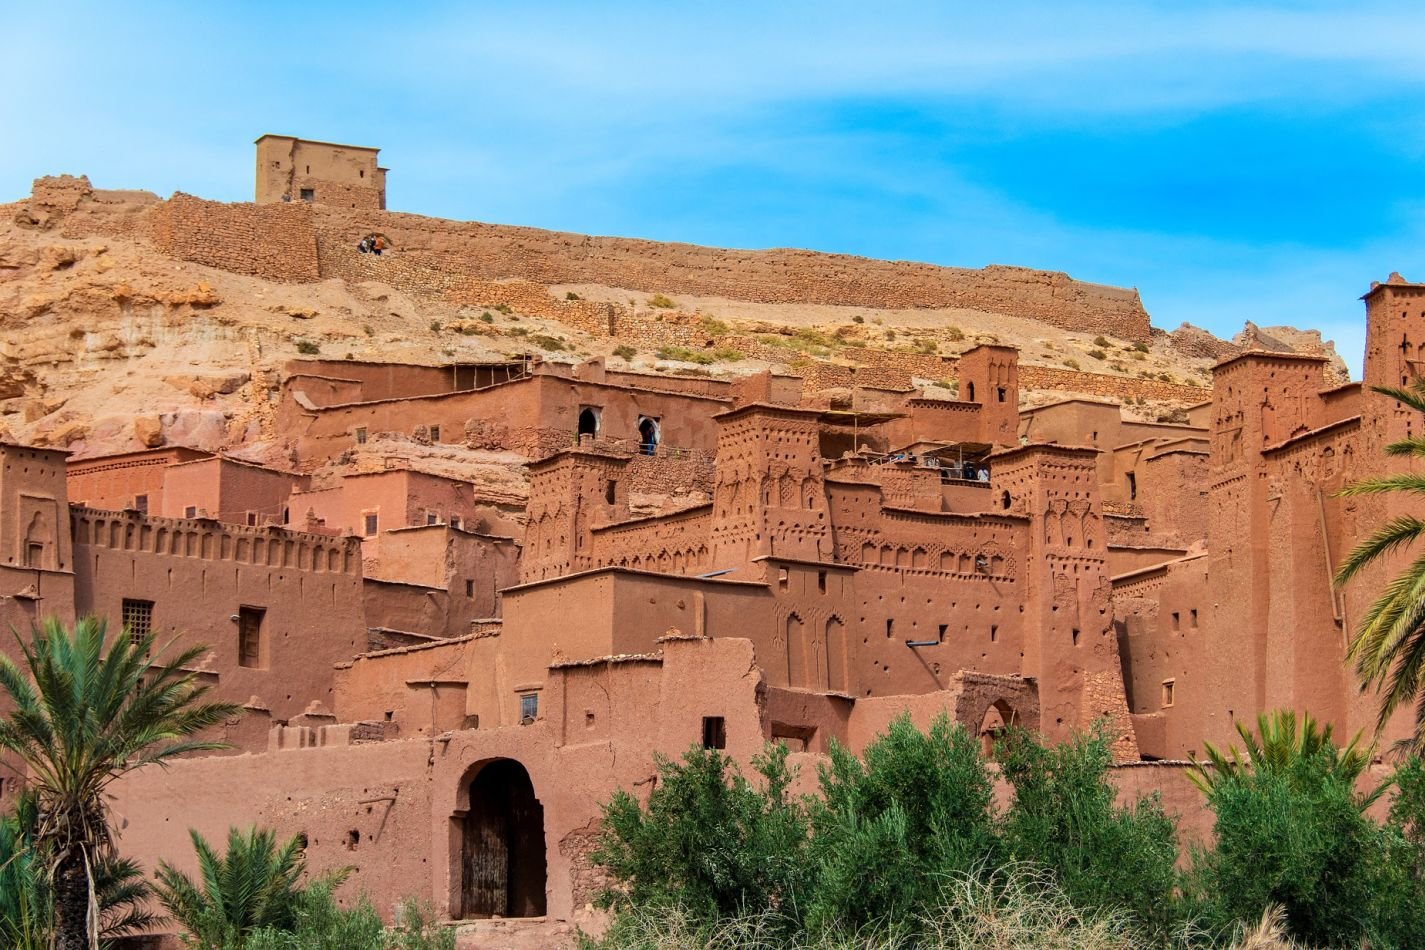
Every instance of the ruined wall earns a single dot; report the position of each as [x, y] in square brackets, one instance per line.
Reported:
[275, 241]
[490, 251]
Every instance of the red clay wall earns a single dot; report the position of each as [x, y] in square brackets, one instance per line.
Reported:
[275, 241]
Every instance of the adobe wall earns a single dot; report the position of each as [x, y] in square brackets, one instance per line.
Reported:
[113, 482]
[230, 491]
[199, 573]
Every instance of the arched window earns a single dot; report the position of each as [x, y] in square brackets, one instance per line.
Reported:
[588, 422]
[970, 391]
[1004, 500]
[648, 435]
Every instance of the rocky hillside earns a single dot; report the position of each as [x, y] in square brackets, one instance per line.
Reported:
[114, 338]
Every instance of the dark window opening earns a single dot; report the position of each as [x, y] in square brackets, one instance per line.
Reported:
[1132, 486]
[191, 511]
[1176, 620]
[361, 435]
[588, 422]
[611, 491]
[890, 628]
[529, 708]
[1004, 500]
[821, 581]
[648, 436]
[970, 391]
[469, 588]
[137, 617]
[1075, 636]
[370, 524]
[141, 504]
[252, 519]
[1168, 692]
[714, 732]
[455, 521]
[1000, 393]
[250, 636]
[307, 194]
[1192, 618]
[944, 629]
[994, 632]
[435, 433]
[34, 554]
[432, 518]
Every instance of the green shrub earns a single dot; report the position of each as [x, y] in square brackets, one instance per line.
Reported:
[625, 351]
[726, 354]
[502, 308]
[366, 328]
[714, 327]
[954, 334]
[546, 342]
[1098, 354]
[858, 319]
[1138, 355]
[1064, 818]
[890, 334]
[1101, 341]
[487, 317]
[320, 924]
[308, 347]
[435, 326]
[708, 842]
[570, 295]
[683, 354]
[926, 347]
[661, 302]
[1071, 363]
[890, 826]
[1140, 347]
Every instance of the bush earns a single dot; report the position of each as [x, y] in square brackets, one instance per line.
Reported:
[714, 327]
[1098, 354]
[366, 328]
[954, 334]
[683, 354]
[308, 347]
[1071, 363]
[1064, 818]
[1140, 347]
[570, 295]
[625, 351]
[435, 326]
[487, 317]
[1138, 355]
[726, 354]
[888, 828]
[661, 302]
[322, 925]
[858, 319]
[545, 342]
[708, 842]
[502, 308]
[1101, 341]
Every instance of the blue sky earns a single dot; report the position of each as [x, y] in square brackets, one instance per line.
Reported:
[1233, 161]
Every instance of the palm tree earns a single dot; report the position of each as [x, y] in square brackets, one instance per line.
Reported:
[1388, 648]
[88, 710]
[1280, 741]
[254, 885]
[26, 908]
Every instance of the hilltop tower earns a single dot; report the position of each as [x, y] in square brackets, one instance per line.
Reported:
[293, 169]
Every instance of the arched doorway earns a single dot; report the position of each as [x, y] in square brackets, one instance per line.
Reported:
[588, 422]
[647, 435]
[999, 717]
[502, 859]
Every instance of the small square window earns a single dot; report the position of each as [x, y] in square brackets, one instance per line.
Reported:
[1192, 618]
[1168, 693]
[369, 524]
[455, 521]
[307, 194]
[252, 519]
[432, 518]
[435, 433]
[714, 732]
[821, 581]
[141, 504]
[1177, 620]
[529, 707]
[191, 511]
[137, 616]
[361, 435]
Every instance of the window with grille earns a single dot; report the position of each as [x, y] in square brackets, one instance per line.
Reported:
[138, 618]
[529, 707]
[361, 435]
[432, 518]
[250, 636]
[252, 519]
[141, 504]
[435, 433]
[369, 526]
[191, 511]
